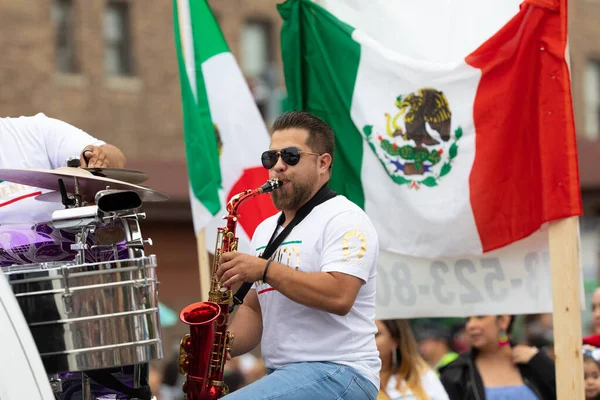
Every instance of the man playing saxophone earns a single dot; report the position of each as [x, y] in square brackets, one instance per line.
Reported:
[312, 305]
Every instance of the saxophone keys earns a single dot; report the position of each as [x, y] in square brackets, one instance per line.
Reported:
[184, 364]
[185, 345]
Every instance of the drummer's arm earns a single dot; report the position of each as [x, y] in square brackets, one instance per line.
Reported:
[103, 156]
[246, 325]
[63, 141]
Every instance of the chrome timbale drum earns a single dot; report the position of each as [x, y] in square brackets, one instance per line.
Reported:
[90, 316]
[22, 244]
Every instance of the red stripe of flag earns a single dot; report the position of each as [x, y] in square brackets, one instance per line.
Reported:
[256, 210]
[525, 169]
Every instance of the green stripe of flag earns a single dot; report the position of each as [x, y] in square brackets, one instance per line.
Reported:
[200, 138]
[320, 66]
[208, 38]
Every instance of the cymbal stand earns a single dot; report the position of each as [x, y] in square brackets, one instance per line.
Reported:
[86, 389]
[73, 201]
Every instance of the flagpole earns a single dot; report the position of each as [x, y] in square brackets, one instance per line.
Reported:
[566, 284]
[203, 264]
[566, 299]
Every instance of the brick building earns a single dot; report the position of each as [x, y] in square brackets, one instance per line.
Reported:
[109, 67]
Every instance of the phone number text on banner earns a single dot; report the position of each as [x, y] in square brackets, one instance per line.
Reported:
[512, 280]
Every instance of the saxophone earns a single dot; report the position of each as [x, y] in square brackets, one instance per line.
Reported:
[203, 352]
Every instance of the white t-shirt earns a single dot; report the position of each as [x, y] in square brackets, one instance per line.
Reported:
[431, 385]
[35, 142]
[337, 236]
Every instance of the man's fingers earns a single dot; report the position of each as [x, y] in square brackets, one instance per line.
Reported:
[100, 164]
[224, 268]
[230, 282]
[85, 159]
[97, 159]
[227, 275]
[228, 256]
[91, 158]
[87, 154]
[94, 157]
[92, 163]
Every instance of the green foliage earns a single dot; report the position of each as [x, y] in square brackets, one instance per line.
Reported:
[458, 133]
[417, 155]
[453, 150]
[445, 169]
[431, 181]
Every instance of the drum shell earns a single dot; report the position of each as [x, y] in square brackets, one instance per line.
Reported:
[90, 316]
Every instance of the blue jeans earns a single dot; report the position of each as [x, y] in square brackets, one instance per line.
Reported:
[309, 380]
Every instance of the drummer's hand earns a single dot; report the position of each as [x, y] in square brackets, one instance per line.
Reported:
[93, 157]
[239, 267]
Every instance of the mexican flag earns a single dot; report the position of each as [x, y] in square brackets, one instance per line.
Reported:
[453, 120]
[224, 131]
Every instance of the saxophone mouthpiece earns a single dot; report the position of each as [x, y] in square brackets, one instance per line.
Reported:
[270, 185]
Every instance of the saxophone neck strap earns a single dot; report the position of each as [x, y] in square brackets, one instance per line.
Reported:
[324, 194]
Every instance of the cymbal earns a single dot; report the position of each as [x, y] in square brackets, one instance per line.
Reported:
[147, 196]
[120, 174]
[89, 184]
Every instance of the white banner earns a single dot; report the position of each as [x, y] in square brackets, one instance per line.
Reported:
[513, 280]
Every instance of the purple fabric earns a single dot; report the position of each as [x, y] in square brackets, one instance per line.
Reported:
[71, 384]
[26, 244]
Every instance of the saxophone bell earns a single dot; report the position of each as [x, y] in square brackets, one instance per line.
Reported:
[197, 345]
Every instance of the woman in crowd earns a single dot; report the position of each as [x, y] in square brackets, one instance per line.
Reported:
[494, 369]
[404, 374]
[594, 338]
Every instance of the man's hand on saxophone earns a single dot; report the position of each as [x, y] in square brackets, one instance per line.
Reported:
[239, 267]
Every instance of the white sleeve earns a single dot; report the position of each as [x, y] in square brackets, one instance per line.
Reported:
[257, 253]
[62, 140]
[350, 245]
[433, 387]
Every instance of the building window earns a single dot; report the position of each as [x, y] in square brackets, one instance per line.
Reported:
[256, 61]
[63, 16]
[117, 39]
[592, 99]
[255, 46]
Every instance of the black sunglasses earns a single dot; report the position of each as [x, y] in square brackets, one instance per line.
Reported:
[289, 155]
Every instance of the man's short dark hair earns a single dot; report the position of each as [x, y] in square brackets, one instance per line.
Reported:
[320, 135]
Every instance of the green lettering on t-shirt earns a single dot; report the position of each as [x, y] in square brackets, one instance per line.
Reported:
[290, 242]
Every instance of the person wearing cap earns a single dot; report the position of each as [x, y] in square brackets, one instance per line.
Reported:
[434, 346]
